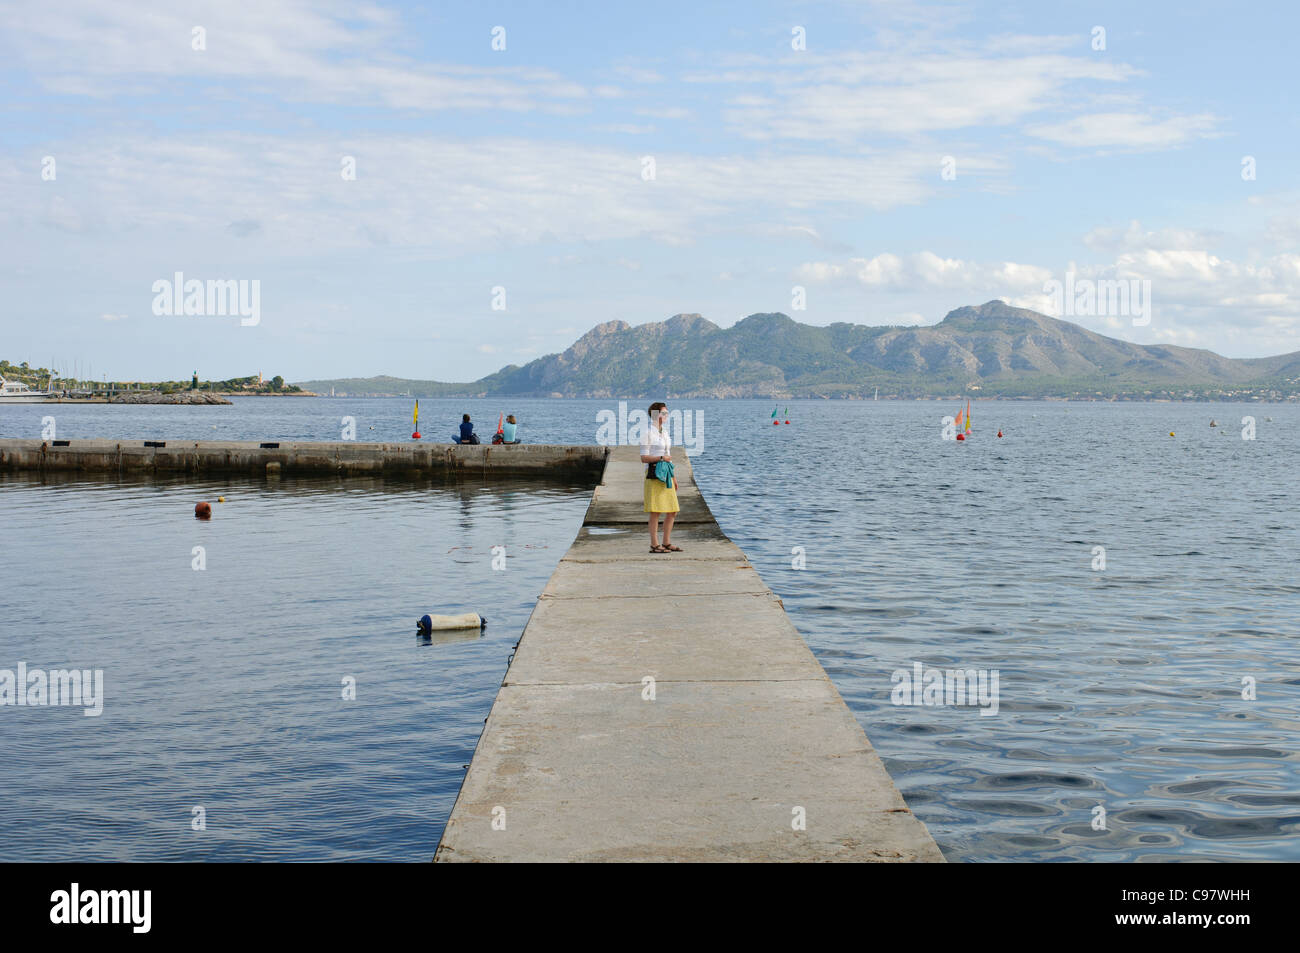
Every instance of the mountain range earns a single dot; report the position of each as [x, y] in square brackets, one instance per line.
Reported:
[993, 349]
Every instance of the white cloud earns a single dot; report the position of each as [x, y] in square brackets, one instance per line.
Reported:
[666, 112]
[890, 272]
[435, 194]
[628, 129]
[847, 96]
[638, 74]
[1126, 130]
[1007, 82]
[1109, 238]
[1198, 299]
[805, 232]
[330, 52]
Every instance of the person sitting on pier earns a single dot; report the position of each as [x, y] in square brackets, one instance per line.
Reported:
[505, 432]
[467, 434]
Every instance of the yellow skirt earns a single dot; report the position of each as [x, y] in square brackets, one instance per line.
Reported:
[660, 499]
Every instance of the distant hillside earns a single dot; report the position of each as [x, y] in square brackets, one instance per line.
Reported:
[385, 386]
[993, 349]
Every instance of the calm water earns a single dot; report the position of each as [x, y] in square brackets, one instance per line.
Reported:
[1119, 688]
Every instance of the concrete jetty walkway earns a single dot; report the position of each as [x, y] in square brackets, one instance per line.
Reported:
[301, 458]
[745, 734]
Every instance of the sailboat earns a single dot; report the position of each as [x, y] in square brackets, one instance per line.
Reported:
[415, 421]
[877, 397]
[962, 422]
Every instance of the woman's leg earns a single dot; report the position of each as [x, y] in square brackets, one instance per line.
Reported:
[668, 527]
[654, 529]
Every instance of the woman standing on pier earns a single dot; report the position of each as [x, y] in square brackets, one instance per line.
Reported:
[659, 497]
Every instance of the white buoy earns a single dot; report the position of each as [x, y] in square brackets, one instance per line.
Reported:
[443, 623]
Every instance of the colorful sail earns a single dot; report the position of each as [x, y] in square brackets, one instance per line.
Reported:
[968, 416]
[500, 420]
[956, 421]
[774, 410]
[415, 418]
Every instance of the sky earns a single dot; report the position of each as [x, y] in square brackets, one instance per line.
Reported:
[437, 190]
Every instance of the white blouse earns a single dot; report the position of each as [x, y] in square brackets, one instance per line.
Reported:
[655, 443]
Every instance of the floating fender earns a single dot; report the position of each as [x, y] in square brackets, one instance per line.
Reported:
[203, 511]
[443, 623]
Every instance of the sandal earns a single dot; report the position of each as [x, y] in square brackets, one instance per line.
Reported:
[673, 549]
[658, 549]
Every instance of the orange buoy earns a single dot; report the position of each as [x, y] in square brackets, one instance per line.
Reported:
[202, 511]
[787, 421]
[961, 436]
[776, 423]
[416, 435]
[999, 433]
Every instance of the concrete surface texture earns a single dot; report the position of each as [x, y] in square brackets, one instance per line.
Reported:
[743, 751]
[300, 457]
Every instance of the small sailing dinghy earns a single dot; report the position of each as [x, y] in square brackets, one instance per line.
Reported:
[962, 422]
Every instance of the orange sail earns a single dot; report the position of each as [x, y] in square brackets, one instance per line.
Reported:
[956, 421]
[500, 429]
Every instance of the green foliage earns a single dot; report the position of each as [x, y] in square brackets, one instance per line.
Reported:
[40, 375]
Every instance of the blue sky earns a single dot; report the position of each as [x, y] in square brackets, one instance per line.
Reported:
[522, 169]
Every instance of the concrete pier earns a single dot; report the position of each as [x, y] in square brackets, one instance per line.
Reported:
[745, 735]
[288, 458]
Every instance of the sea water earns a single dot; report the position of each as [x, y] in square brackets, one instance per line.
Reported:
[1134, 593]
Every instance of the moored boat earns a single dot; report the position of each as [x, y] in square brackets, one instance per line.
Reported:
[16, 392]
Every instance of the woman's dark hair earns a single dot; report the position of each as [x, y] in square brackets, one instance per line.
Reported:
[655, 406]
[510, 418]
[465, 418]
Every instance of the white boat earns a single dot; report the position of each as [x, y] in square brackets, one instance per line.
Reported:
[16, 392]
